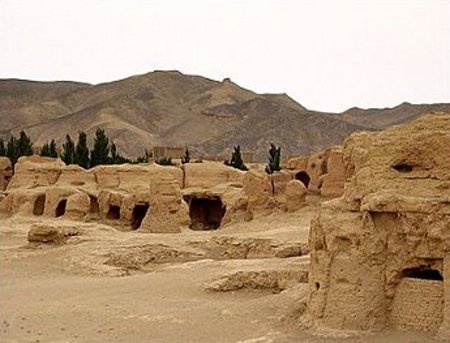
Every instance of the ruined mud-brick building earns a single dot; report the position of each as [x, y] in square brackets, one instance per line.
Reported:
[380, 254]
[154, 198]
[166, 151]
[322, 173]
[146, 197]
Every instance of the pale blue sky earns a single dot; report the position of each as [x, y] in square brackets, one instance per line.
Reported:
[328, 55]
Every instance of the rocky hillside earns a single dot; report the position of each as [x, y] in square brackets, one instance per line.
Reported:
[377, 118]
[170, 108]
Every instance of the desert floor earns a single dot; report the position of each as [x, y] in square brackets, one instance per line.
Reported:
[237, 284]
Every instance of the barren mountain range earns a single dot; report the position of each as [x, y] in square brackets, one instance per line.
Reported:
[174, 109]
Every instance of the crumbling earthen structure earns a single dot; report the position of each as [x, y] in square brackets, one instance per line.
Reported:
[380, 255]
[6, 172]
[322, 173]
[211, 208]
[148, 197]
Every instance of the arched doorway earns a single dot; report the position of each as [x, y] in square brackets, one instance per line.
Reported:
[139, 213]
[303, 177]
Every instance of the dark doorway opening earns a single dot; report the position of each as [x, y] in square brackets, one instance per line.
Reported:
[424, 273]
[39, 205]
[113, 212]
[206, 213]
[139, 212]
[303, 177]
[94, 207]
[61, 208]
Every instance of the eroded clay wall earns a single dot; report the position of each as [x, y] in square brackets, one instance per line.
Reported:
[444, 331]
[6, 172]
[417, 305]
[393, 218]
[209, 175]
[332, 184]
[325, 171]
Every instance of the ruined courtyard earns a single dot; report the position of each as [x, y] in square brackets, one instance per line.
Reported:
[349, 244]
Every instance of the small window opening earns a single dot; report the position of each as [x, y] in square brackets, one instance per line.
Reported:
[424, 273]
[403, 167]
[61, 208]
[39, 205]
[113, 212]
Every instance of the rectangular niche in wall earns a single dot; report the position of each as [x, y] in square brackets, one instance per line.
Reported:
[113, 212]
[39, 205]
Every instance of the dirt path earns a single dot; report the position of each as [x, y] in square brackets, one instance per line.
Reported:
[49, 295]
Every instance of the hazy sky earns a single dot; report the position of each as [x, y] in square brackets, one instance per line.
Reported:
[328, 55]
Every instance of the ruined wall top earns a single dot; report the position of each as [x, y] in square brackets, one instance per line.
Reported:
[400, 166]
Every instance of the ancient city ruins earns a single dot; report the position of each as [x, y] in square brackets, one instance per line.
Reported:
[155, 198]
[379, 240]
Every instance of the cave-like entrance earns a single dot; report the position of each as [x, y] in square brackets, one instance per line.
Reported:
[139, 212]
[61, 208]
[113, 212]
[94, 206]
[39, 205]
[205, 213]
[303, 177]
[418, 302]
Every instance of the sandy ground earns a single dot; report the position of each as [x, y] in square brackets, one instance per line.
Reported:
[88, 290]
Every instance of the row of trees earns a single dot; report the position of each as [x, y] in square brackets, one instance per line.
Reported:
[273, 164]
[72, 152]
[16, 147]
[78, 153]
[104, 152]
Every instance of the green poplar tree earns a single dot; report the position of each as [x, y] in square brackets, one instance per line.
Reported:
[2, 147]
[49, 149]
[100, 153]
[114, 155]
[52, 149]
[116, 158]
[274, 159]
[24, 145]
[236, 159]
[45, 150]
[11, 150]
[68, 152]
[82, 151]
